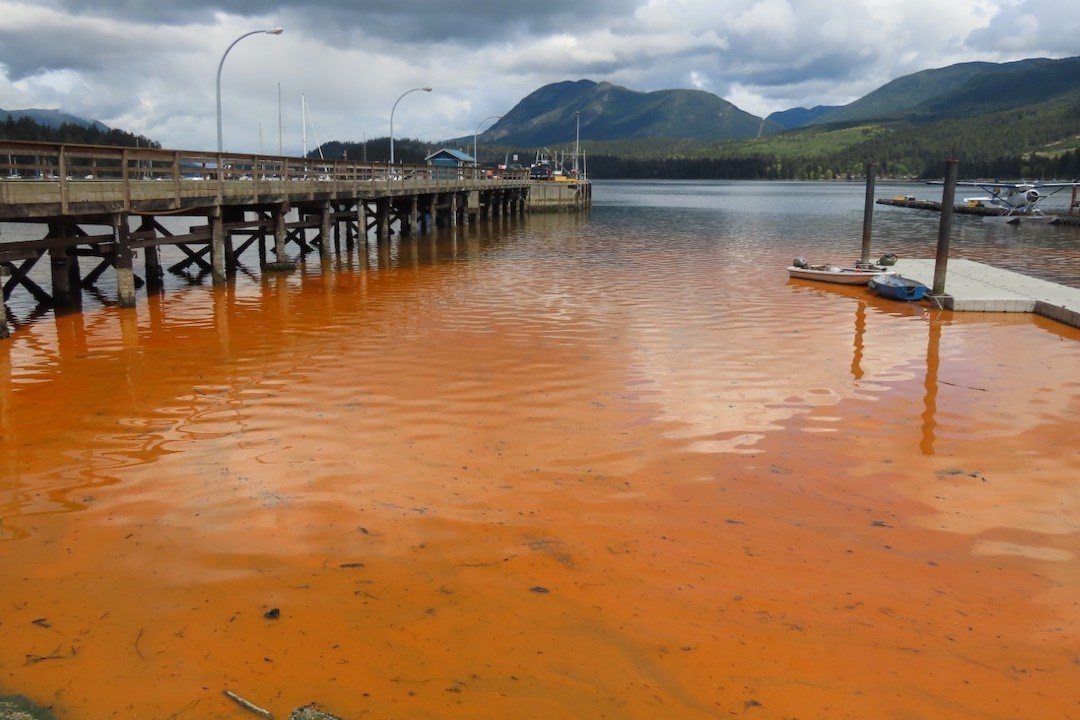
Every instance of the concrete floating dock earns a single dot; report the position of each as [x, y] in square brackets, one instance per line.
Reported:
[976, 287]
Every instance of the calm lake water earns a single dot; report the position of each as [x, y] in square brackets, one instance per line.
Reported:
[613, 464]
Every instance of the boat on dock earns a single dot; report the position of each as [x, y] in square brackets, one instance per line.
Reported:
[898, 287]
[856, 274]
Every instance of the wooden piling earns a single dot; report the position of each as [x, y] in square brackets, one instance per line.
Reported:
[325, 231]
[382, 220]
[361, 223]
[217, 246]
[868, 214]
[5, 332]
[278, 215]
[152, 258]
[948, 195]
[125, 262]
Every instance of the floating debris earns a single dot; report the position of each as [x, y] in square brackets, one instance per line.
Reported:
[247, 704]
[311, 711]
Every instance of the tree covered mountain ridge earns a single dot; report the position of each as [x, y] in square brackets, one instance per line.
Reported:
[565, 111]
[1016, 119]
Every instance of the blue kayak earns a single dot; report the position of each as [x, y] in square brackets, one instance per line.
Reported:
[898, 287]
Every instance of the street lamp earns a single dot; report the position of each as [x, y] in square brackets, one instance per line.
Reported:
[421, 89]
[271, 31]
[476, 157]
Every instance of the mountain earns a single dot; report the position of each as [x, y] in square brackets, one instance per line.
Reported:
[611, 112]
[52, 118]
[963, 91]
[799, 117]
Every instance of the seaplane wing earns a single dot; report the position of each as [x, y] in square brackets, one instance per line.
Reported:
[1016, 198]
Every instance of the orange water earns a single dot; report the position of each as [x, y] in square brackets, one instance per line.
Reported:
[540, 473]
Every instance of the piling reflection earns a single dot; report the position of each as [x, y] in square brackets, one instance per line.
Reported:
[929, 422]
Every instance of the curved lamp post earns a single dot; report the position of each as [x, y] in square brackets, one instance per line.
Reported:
[476, 158]
[271, 31]
[420, 89]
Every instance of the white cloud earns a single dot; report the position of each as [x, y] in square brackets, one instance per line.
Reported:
[150, 67]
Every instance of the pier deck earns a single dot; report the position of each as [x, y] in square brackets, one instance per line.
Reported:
[104, 203]
[976, 287]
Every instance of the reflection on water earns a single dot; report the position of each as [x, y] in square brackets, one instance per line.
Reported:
[678, 483]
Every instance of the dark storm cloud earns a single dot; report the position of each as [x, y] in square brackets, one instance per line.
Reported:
[474, 21]
[89, 49]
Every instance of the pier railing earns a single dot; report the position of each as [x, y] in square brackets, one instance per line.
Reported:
[47, 179]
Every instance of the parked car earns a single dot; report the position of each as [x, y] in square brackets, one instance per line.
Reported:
[540, 171]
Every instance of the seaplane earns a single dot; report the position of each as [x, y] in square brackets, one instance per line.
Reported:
[1015, 201]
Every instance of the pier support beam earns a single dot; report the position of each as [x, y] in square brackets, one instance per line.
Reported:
[125, 262]
[66, 287]
[411, 218]
[361, 224]
[5, 332]
[280, 234]
[64, 266]
[154, 274]
[325, 230]
[217, 246]
[382, 220]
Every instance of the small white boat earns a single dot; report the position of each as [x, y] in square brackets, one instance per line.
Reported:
[858, 275]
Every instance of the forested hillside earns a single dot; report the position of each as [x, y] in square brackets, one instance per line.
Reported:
[25, 128]
[1037, 142]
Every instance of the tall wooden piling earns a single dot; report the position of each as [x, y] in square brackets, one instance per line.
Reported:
[948, 196]
[868, 214]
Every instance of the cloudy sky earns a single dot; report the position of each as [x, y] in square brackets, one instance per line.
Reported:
[150, 66]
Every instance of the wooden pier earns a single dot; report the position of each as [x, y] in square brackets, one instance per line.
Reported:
[106, 203]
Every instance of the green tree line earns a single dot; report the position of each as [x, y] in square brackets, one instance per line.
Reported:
[1036, 142]
[27, 129]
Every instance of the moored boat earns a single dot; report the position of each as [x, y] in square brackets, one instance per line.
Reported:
[857, 275]
[898, 287]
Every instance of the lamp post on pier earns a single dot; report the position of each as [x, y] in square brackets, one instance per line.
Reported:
[271, 31]
[476, 157]
[419, 89]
